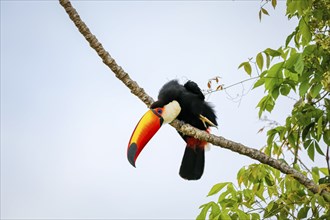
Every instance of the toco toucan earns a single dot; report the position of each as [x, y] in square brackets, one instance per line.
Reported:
[176, 101]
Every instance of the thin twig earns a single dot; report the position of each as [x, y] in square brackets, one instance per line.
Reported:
[327, 93]
[243, 81]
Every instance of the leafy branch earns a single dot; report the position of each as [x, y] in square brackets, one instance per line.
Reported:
[180, 126]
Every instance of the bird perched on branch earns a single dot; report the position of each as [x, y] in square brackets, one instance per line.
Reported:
[183, 102]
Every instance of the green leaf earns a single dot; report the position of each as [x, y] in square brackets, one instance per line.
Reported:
[270, 83]
[267, 60]
[224, 215]
[275, 70]
[292, 140]
[241, 214]
[325, 180]
[273, 76]
[324, 170]
[215, 211]
[266, 103]
[255, 216]
[297, 39]
[311, 151]
[260, 61]
[232, 191]
[307, 143]
[319, 127]
[222, 197]
[292, 83]
[291, 7]
[303, 212]
[320, 199]
[289, 38]
[269, 180]
[268, 150]
[269, 206]
[204, 211]
[270, 105]
[285, 52]
[318, 149]
[264, 11]
[260, 82]
[290, 63]
[309, 50]
[270, 140]
[261, 105]
[275, 93]
[326, 137]
[241, 176]
[274, 3]
[305, 31]
[299, 64]
[305, 131]
[247, 67]
[242, 64]
[281, 131]
[327, 103]
[217, 187]
[285, 89]
[271, 209]
[315, 174]
[271, 52]
[300, 6]
[304, 86]
[315, 90]
[260, 192]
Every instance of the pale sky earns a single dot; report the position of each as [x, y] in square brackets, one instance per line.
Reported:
[66, 120]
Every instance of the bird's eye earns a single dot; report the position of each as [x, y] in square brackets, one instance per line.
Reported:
[159, 111]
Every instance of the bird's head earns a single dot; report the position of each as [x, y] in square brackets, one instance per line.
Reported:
[149, 124]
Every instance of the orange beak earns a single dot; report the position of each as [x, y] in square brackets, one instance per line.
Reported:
[147, 127]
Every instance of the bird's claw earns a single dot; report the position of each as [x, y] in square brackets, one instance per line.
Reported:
[206, 120]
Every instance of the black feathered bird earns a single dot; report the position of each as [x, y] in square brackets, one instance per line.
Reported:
[186, 103]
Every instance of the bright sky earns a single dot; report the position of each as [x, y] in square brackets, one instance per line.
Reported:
[66, 120]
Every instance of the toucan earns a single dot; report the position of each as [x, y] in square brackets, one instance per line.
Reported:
[183, 102]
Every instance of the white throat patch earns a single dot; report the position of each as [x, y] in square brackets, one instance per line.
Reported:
[171, 111]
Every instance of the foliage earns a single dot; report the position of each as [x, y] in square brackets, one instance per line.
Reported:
[263, 192]
[300, 68]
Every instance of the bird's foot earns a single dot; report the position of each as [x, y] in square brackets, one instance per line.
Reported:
[206, 120]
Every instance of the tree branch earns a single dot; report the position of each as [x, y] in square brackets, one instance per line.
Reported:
[105, 56]
[180, 126]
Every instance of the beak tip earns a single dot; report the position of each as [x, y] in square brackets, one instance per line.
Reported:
[131, 154]
[132, 163]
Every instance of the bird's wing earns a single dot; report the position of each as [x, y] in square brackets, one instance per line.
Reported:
[193, 88]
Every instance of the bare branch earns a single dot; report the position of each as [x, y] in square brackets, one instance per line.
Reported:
[105, 56]
[180, 126]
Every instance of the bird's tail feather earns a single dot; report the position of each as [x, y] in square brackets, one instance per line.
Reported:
[192, 165]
